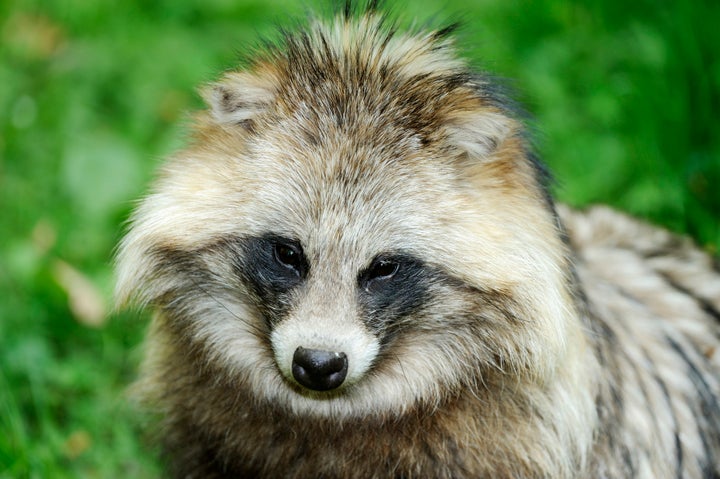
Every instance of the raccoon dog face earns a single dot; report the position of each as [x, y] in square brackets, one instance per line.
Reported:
[356, 230]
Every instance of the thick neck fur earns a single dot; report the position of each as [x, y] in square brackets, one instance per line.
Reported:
[502, 428]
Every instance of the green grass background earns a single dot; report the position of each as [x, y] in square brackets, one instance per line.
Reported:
[93, 94]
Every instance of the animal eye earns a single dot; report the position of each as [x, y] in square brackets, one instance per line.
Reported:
[382, 269]
[290, 256]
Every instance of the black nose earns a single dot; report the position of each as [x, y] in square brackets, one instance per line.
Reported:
[319, 370]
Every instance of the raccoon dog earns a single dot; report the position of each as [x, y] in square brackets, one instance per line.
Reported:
[357, 272]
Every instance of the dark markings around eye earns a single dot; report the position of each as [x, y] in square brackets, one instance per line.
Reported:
[392, 287]
[273, 266]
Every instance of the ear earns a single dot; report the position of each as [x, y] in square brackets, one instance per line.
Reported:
[480, 133]
[238, 98]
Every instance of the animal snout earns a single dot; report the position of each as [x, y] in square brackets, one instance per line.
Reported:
[319, 370]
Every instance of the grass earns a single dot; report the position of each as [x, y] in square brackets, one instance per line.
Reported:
[93, 95]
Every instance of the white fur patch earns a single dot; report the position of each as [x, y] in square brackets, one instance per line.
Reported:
[356, 342]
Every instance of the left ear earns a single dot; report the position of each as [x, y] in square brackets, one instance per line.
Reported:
[238, 98]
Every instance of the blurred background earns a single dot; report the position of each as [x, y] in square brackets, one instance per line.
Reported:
[93, 94]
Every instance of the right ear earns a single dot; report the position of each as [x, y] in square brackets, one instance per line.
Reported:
[237, 99]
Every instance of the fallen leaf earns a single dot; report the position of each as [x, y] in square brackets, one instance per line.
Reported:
[44, 236]
[84, 298]
[77, 443]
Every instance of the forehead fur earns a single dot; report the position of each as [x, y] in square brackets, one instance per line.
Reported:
[359, 74]
[356, 70]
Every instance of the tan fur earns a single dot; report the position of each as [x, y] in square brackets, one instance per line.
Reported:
[519, 354]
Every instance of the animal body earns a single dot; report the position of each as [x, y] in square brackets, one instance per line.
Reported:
[357, 272]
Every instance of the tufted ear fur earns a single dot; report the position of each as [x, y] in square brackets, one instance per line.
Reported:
[480, 133]
[238, 98]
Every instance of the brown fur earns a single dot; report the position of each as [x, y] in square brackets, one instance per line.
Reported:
[523, 342]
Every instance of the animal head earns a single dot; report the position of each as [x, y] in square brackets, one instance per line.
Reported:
[357, 228]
